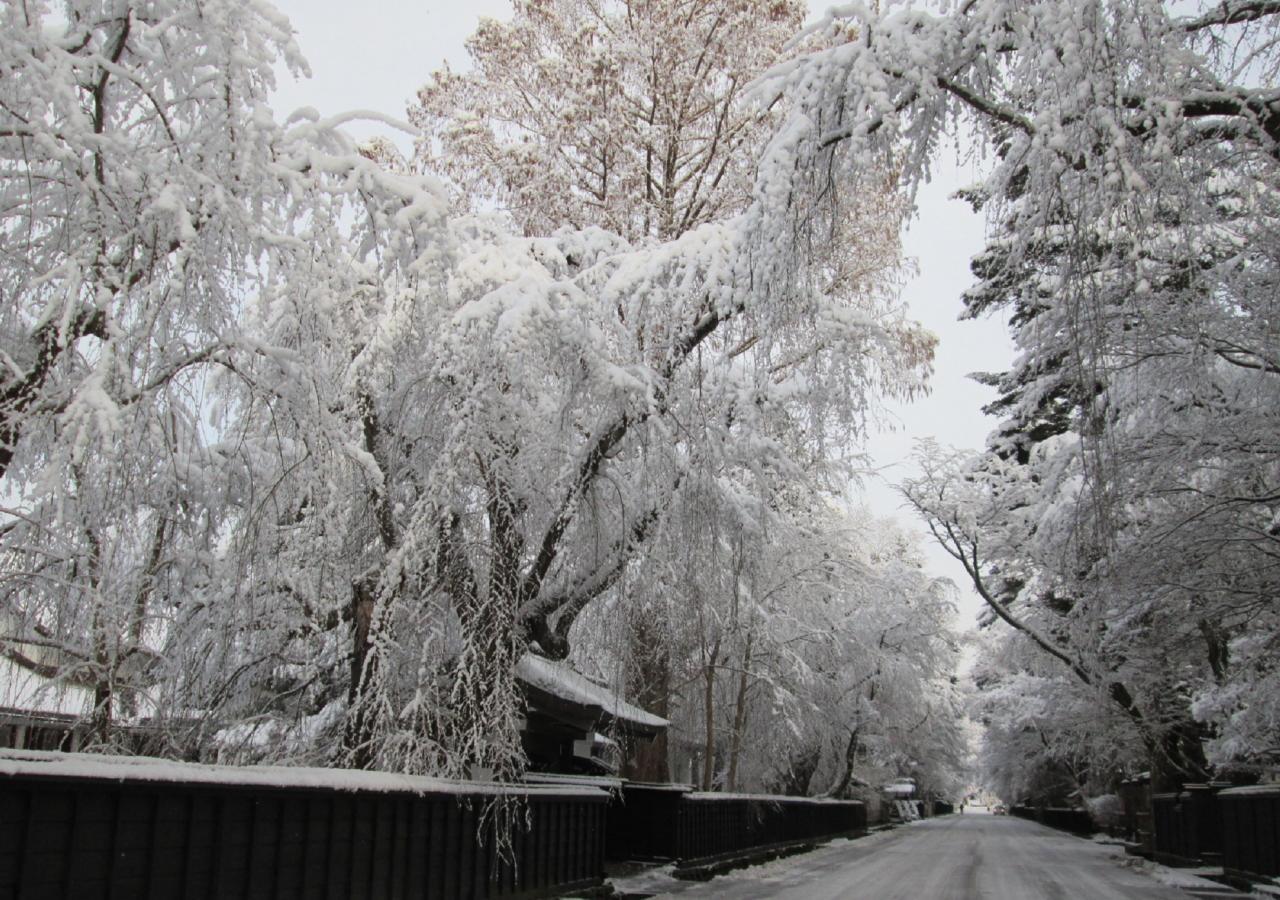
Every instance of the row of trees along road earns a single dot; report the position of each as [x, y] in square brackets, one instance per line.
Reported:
[1122, 524]
[299, 452]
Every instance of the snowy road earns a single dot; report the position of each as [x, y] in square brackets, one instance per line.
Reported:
[950, 858]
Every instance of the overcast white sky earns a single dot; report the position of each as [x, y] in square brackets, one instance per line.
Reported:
[373, 56]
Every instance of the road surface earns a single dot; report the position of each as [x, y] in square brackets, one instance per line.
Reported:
[958, 857]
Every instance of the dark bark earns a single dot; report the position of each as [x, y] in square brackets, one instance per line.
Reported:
[1217, 648]
[650, 688]
[800, 770]
[1232, 12]
[357, 738]
[1179, 758]
[19, 394]
[540, 611]
[851, 747]
[739, 715]
[711, 658]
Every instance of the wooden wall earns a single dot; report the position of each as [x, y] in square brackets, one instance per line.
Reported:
[66, 837]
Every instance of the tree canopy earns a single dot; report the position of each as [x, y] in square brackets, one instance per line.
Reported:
[1122, 519]
[299, 456]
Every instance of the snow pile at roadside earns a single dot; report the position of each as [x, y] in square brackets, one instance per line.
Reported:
[1192, 880]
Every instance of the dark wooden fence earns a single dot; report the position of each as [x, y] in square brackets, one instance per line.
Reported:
[1237, 828]
[1135, 815]
[1186, 827]
[643, 822]
[662, 822]
[1250, 822]
[1076, 821]
[89, 833]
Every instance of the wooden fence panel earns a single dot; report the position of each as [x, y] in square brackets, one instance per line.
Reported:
[1077, 821]
[1250, 820]
[1186, 826]
[72, 835]
[659, 822]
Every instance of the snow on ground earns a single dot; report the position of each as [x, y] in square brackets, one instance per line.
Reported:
[660, 881]
[947, 858]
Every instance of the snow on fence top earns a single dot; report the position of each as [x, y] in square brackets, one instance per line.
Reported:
[551, 778]
[562, 681]
[1264, 789]
[678, 787]
[148, 769]
[764, 798]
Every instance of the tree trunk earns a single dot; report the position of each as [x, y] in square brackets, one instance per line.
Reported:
[358, 736]
[840, 789]
[100, 722]
[650, 688]
[357, 746]
[1180, 758]
[1218, 648]
[104, 666]
[800, 768]
[739, 717]
[709, 718]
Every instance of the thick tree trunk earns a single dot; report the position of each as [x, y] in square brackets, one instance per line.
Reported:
[1180, 758]
[100, 723]
[841, 787]
[650, 688]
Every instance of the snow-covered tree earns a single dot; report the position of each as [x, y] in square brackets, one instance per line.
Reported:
[569, 438]
[139, 179]
[289, 452]
[1132, 195]
[164, 235]
[815, 656]
[631, 116]
[872, 678]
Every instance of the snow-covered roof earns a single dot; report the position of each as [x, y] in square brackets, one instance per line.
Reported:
[24, 690]
[561, 680]
[144, 768]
